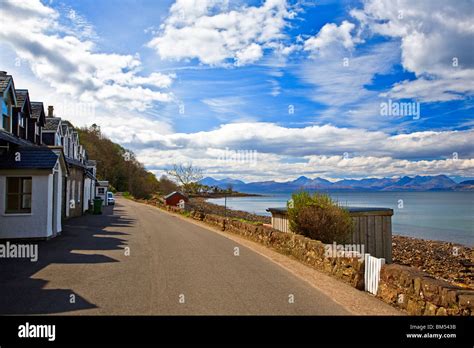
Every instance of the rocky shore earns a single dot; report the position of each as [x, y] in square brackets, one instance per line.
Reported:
[200, 204]
[443, 260]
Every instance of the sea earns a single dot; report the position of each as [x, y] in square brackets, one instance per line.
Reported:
[443, 216]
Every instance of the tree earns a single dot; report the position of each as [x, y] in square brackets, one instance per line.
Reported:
[117, 165]
[187, 176]
[166, 185]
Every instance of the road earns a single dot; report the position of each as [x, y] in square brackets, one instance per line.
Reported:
[137, 259]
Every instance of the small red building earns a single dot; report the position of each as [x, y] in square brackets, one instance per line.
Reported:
[174, 198]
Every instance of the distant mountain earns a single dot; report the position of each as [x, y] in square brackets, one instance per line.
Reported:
[406, 183]
[467, 185]
[223, 183]
[422, 183]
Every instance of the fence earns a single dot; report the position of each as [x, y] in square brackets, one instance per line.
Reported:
[373, 266]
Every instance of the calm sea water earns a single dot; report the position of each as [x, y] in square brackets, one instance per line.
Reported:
[447, 216]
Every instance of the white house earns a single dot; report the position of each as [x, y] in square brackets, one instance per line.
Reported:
[40, 172]
[30, 192]
[102, 188]
[89, 184]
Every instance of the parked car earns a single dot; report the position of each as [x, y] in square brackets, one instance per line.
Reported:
[110, 198]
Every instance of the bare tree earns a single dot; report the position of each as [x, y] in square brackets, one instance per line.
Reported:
[186, 175]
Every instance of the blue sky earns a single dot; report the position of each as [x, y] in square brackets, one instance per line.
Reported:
[302, 83]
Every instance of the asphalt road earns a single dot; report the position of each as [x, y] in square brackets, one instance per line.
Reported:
[136, 259]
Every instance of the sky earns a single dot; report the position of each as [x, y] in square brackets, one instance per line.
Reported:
[258, 90]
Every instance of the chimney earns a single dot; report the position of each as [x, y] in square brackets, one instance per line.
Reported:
[50, 111]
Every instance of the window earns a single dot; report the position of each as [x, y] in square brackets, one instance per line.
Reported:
[73, 187]
[18, 195]
[5, 116]
[101, 190]
[21, 119]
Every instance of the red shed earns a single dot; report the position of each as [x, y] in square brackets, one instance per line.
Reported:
[174, 197]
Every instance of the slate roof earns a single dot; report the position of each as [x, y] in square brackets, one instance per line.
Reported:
[74, 162]
[38, 112]
[13, 139]
[90, 174]
[36, 109]
[32, 157]
[4, 81]
[52, 123]
[21, 96]
[67, 123]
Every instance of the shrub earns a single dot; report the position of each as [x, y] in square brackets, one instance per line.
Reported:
[127, 194]
[318, 217]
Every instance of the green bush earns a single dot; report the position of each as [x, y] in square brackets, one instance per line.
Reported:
[318, 217]
[127, 194]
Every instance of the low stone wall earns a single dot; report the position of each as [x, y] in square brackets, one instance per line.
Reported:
[420, 294]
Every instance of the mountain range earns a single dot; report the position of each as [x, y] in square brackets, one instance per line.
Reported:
[406, 183]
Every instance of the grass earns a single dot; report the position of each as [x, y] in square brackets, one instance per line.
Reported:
[256, 223]
[127, 195]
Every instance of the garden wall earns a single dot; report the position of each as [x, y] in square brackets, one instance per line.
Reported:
[420, 294]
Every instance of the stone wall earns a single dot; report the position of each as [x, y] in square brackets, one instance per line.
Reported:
[420, 294]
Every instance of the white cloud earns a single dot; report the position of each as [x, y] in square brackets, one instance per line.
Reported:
[316, 150]
[433, 35]
[321, 140]
[332, 35]
[280, 168]
[452, 87]
[389, 167]
[214, 33]
[250, 54]
[224, 105]
[340, 82]
[72, 65]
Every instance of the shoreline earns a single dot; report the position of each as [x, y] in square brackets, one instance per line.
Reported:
[443, 260]
[222, 195]
[393, 234]
[201, 204]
